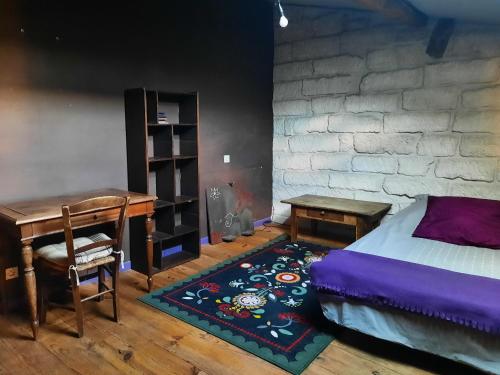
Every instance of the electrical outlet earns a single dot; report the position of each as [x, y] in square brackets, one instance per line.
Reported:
[11, 273]
[227, 159]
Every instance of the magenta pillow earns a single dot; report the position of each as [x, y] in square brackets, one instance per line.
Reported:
[461, 221]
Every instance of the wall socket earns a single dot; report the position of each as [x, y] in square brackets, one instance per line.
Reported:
[227, 159]
[11, 273]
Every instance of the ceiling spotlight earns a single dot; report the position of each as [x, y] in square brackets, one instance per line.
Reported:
[283, 19]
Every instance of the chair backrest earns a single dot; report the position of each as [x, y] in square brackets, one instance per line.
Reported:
[89, 207]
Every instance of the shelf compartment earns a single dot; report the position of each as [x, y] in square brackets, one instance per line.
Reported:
[182, 230]
[161, 180]
[187, 214]
[184, 140]
[165, 262]
[160, 125]
[159, 204]
[182, 157]
[182, 199]
[186, 177]
[174, 251]
[159, 237]
[159, 159]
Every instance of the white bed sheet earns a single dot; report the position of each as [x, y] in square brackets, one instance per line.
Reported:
[393, 240]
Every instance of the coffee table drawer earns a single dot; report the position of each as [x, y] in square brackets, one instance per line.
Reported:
[325, 215]
[321, 215]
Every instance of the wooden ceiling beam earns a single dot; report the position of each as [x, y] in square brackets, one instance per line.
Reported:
[399, 10]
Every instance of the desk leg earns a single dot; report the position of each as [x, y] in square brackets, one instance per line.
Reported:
[149, 249]
[293, 225]
[30, 284]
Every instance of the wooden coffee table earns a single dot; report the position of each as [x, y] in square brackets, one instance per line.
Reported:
[363, 215]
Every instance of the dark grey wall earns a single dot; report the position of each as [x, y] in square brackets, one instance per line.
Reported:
[64, 68]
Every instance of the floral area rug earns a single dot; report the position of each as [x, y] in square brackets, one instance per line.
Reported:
[259, 301]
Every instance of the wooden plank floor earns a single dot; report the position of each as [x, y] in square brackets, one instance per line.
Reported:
[147, 341]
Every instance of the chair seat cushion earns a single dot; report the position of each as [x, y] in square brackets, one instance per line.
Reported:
[58, 254]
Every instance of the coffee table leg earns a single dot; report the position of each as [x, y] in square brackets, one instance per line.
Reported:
[293, 225]
[361, 228]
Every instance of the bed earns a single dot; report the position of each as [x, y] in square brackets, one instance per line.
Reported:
[459, 343]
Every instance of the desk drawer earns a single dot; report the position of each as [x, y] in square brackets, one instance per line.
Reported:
[42, 228]
[56, 225]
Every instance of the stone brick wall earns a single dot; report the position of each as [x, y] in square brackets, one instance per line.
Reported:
[360, 110]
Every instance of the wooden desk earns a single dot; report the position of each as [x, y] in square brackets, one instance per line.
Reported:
[363, 215]
[24, 221]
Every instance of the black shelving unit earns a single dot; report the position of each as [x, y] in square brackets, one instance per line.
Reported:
[162, 159]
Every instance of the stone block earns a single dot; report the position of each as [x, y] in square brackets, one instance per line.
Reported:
[356, 181]
[376, 164]
[416, 122]
[471, 122]
[395, 200]
[315, 143]
[460, 72]
[360, 42]
[476, 190]
[373, 103]
[306, 178]
[403, 57]
[339, 65]
[292, 108]
[277, 177]
[331, 192]
[414, 166]
[401, 79]
[431, 99]
[279, 126]
[482, 98]
[282, 53]
[413, 186]
[346, 142]
[467, 168]
[305, 125]
[293, 71]
[334, 85]
[477, 43]
[285, 160]
[352, 123]
[329, 24]
[331, 161]
[327, 104]
[296, 30]
[438, 145]
[480, 145]
[280, 144]
[403, 144]
[314, 48]
[287, 90]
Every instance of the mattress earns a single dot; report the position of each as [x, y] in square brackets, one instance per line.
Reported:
[393, 240]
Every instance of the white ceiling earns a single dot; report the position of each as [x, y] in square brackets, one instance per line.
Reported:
[487, 11]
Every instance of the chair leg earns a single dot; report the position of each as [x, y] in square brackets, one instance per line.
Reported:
[42, 301]
[77, 301]
[100, 282]
[116, 288]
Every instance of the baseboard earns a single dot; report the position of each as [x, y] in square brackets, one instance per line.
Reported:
[127, 265]
[258, 223]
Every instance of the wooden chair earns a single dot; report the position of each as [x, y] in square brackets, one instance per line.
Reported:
[84, 253]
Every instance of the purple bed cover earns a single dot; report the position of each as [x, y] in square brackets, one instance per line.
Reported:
[469, 300]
